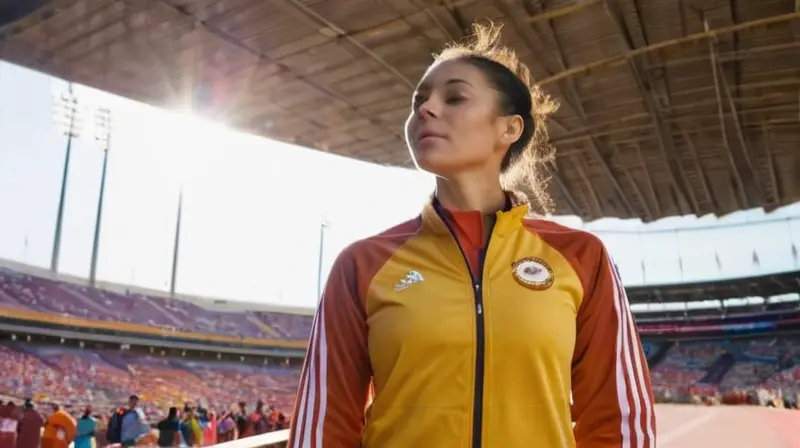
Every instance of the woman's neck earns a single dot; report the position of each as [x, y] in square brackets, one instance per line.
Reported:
[486, 197]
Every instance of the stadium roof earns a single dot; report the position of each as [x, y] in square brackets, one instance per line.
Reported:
[762, 286]
[668, 107]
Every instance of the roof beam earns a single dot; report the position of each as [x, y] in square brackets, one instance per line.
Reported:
[458, 19]
[381, 27]
[17, 13]
[524, 31]
[773, 177]
[668, 149]
[340, 33]
[650, 185]
[561, 11]
[418, 32]
[613, 60]
[639, 196]
[605, 129]
[261, 56]
[576, 6]
[740, 161]
[701, 172]
[562, 185]
[594, 198]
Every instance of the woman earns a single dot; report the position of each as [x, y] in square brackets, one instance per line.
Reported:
[86, 429]
[473, 325]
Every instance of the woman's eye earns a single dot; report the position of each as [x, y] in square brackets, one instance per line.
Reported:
[455, 99]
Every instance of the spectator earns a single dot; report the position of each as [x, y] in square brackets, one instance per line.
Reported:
[8, 426]
[258, 420]
[100, 431]
[187, 432]
[210, 429]
[242, 425]
[133, 423]
[227, 428]
[169, 429]
[59, 430]
[30, 427]
[85, 430]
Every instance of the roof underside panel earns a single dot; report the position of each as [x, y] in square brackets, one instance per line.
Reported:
[667, 106]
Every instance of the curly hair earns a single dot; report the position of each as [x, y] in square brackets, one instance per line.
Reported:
[523, 171]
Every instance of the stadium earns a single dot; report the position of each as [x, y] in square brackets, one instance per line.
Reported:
[149, 244]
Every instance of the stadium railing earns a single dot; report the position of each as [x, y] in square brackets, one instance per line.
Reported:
[270, 439]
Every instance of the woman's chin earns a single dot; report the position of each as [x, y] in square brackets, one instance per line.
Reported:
[439, 168]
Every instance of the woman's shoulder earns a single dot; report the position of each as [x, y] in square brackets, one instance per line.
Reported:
[579, 246]
[546, 227]
[382, 243]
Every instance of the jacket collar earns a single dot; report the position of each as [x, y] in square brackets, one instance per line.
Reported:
[508, 220]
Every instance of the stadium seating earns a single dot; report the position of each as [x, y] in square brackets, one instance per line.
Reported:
[19, 290]
[105, 378]
[684, 365]
[76, 377]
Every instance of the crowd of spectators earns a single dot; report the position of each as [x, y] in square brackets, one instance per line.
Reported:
[761, 371]
[56, 426]
[188, 402]
[75, 378]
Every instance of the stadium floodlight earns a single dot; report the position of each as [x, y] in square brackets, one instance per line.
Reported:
[323, 225]
[68, 114]
[68, 117]
[102, 126]
[102, 134]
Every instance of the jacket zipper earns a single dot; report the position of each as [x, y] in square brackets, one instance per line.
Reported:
[480, 332]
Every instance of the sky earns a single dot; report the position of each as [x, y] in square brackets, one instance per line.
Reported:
[253, 208]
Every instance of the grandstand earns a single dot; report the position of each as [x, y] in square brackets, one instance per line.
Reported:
[54, 347]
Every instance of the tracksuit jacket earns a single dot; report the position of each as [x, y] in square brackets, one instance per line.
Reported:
[433, 335]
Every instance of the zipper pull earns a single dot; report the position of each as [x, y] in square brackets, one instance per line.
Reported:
[480, 309]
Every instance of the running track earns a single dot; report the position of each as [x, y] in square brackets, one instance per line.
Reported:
[684, 426]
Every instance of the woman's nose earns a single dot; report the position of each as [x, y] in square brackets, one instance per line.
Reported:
[427, 110]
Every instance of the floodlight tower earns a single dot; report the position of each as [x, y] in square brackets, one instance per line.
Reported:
[176, 248]
[323, 225]
[102, 134]
[68, 119]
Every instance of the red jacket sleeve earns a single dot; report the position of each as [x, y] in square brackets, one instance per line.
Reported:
[335, 382]
[612, 396]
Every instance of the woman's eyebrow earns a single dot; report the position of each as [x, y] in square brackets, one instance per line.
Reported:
[426, 86]
[457, 81]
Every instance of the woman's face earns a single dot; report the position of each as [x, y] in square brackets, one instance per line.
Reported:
[454, 126]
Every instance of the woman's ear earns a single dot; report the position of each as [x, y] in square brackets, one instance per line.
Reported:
[512, 126]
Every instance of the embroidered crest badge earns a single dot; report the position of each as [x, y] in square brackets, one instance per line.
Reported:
[532, 273]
